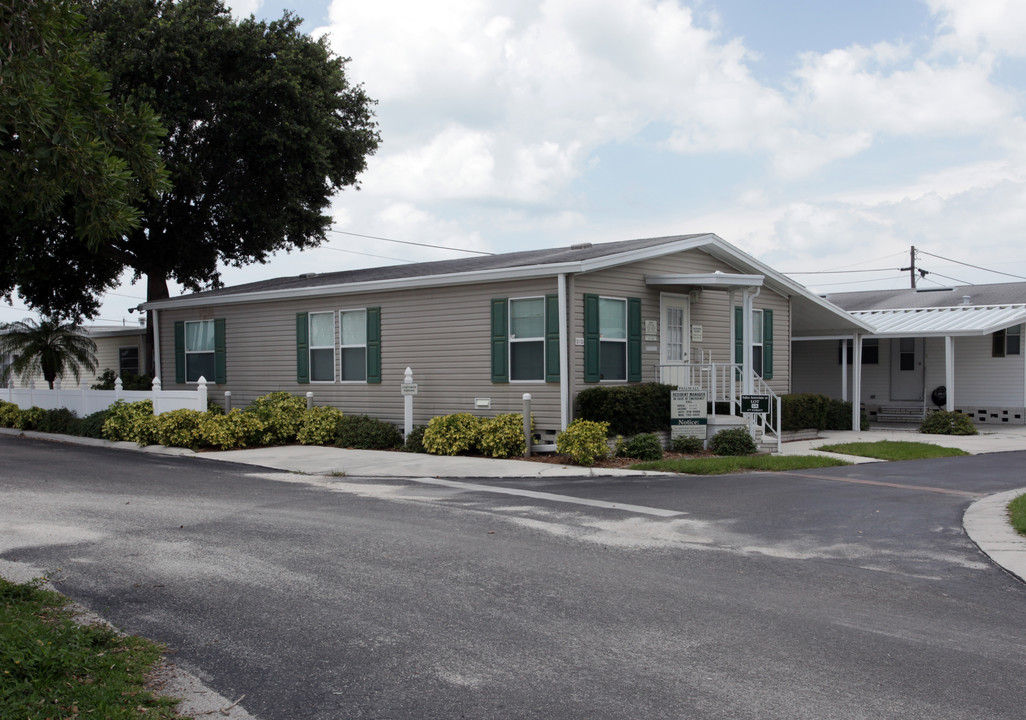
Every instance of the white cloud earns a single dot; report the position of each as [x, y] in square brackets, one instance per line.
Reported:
[972, 25]
[243, 8]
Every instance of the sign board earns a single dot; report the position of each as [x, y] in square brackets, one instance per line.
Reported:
[697, 333]
[689, 413]
[755, 403]
[408, 389]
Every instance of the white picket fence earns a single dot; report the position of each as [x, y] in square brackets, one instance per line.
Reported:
[85, 402]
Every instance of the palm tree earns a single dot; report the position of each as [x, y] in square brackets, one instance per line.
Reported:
[49, 347]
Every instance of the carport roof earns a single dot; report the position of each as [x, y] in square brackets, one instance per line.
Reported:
[960, 320]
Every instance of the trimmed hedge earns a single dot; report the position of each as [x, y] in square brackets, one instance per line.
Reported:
[629, 409]
[942, 422]
[800, 411]
[584, 441]
[645, 446]
[362, 432]
[735, 441]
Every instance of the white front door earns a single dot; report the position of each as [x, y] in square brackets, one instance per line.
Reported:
[674, 342]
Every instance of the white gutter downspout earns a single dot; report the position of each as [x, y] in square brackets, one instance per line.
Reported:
[156, 344]
[564, 355]
[949, 372]
[748, 384]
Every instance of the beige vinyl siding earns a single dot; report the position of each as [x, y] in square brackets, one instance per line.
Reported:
[712, 311]
[442, 334]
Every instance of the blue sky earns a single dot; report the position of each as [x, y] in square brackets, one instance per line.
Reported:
[813, 135]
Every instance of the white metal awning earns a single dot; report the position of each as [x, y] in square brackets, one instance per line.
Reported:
[960, 320]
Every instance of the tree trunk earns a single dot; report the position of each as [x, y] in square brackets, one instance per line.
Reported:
[156, 289]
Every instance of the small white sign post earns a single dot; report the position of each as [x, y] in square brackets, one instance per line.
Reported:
[408, 389]
[689, 413]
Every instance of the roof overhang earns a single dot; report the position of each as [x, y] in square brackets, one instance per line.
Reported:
[716, 280]
[957, 321]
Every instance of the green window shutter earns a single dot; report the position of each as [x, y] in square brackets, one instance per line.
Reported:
[552, 338]
[500, 340]
[302, 348]
[591, 339]
[739, 332]
[220, 354]
[767, 344]
[179, 351]
[374, 345]
[633, 339]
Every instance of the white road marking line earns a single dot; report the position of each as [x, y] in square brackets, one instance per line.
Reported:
[475, 487]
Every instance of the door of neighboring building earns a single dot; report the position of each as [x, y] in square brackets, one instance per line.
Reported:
[674, 342]
[907, 369]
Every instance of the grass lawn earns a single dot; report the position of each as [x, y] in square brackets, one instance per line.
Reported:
[893, 450]
[733, 464]
[1017, 514]
[51, 667]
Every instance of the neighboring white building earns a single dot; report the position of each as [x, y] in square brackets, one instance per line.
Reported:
[121, 348]
[954, 348]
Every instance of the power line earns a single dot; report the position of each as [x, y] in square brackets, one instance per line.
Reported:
[407, 242]
[977, 267]
[947, 277]
[837, 272]
[356, 252]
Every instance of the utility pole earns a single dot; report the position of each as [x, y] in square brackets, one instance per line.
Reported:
[911, 267]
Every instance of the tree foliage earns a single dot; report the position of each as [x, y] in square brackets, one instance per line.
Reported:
[49, 347]
[263, 128]
[75, 163]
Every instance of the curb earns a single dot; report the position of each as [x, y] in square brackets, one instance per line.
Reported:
[986, 524]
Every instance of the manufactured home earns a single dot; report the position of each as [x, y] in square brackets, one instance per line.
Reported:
[481, 332]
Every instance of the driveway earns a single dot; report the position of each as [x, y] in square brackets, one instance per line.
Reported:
[840, 593]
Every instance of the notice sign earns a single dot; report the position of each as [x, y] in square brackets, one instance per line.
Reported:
[689, 414]
[408, 389]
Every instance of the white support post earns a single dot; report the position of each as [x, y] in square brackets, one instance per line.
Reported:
[527, 425]
[309, 400]
[564, 355]
[856, 383]
[407, 405]
[119, 386]
[949, 372]
[844, 369]
[227, 401]
[155, 388]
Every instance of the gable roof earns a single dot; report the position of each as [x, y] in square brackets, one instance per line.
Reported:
[964, 310]
[811, 314]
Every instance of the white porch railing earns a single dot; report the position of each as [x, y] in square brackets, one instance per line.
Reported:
[85, 402]
[722, 383]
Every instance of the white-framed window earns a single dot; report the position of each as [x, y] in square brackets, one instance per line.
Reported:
[322, 346]
[757, 342]
[1007, 341]
[612, 338]
[128, 360]
[5, 363]
[353, 346]
[199, 350]
[527, 339]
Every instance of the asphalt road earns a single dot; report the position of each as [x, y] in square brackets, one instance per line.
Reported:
[837, 593]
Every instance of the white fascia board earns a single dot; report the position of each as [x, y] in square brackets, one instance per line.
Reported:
[470, 278]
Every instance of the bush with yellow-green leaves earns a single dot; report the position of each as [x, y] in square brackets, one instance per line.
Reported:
[456, 434]
[503, 435]
[236, 429]
[319, 426]
[132, 422]
[584, 441]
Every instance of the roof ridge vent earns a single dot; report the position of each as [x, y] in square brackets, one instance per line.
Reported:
[967, 299]
[581, 246]
[307, 276]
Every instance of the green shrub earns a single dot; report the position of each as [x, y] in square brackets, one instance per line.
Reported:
[10, 414]
[133, 422]
[30, 419]
[455, 434]
[801, 411]
[735, 441]
[319, 426]
[282, 414]
[61, 420]
[645, 446]
[839, 416]
[180, 428]
[236, 429]
[415, 440]
[629, 409]
[942, 422]
[128, 382]
[366, 433]
[92, 425]
[584, 441]
[687, 444]
[503, 435]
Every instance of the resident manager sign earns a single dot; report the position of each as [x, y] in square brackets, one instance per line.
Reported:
[689, 413]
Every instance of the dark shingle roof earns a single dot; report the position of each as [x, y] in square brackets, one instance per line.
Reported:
[996, 294]
[574, 253]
